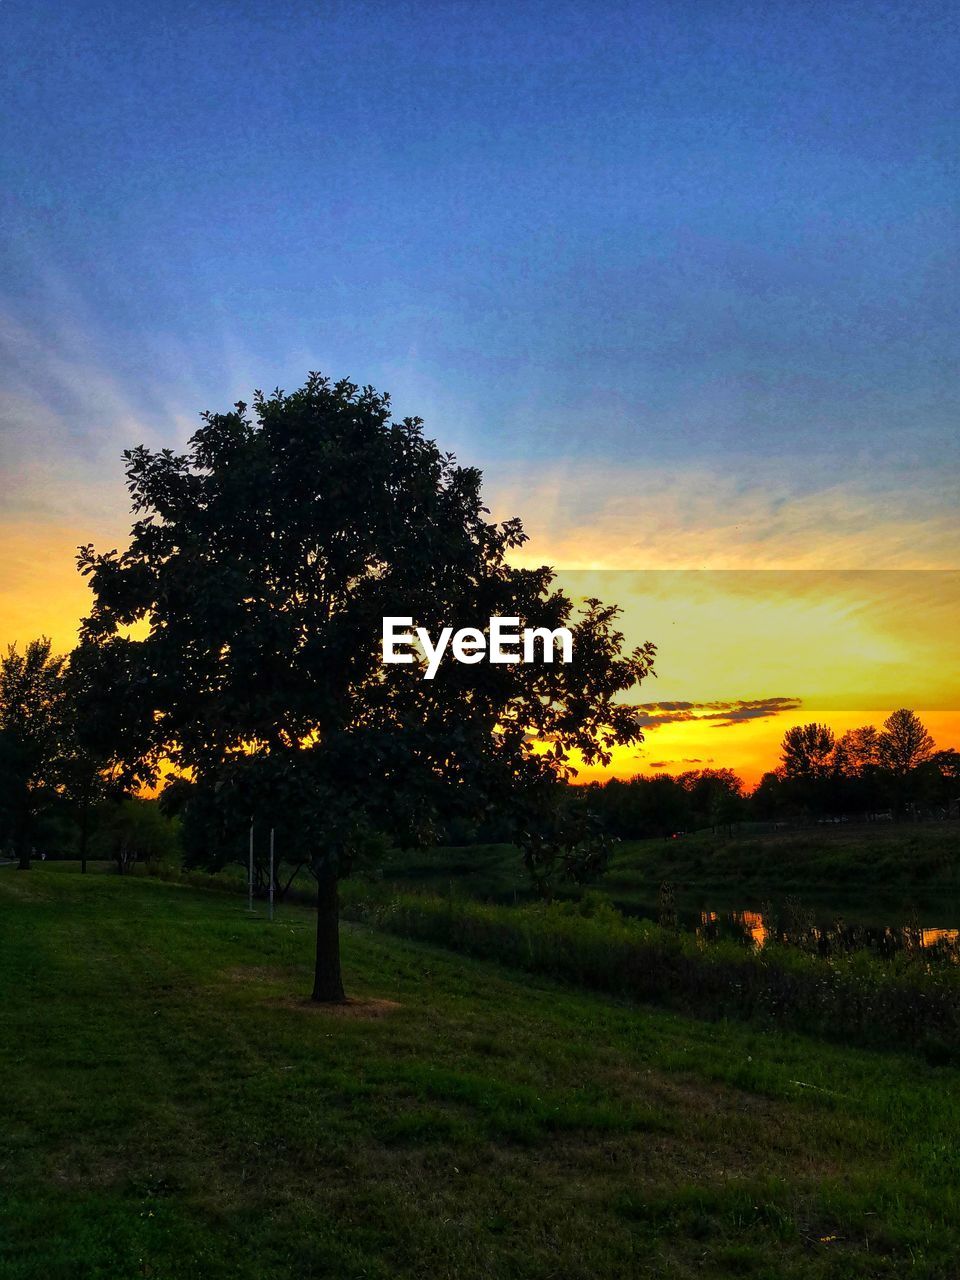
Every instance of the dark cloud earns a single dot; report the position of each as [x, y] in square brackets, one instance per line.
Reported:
[723, 714]
[662, 764]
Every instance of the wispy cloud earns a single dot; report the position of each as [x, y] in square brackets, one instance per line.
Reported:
[724, 714]
[744, 514]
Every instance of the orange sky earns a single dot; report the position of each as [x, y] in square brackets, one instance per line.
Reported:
[844, 647]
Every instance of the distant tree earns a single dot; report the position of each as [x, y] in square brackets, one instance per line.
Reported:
[904, 744]
[767, 799]
[945, 777]
[31, 707]
[857, 751]
[102, 738]
[135, 830]
[947, 765]
[806, 763]
[716, 797]
[857, 784]
[806, 750]
[264, 560]
[215, 830]
[906, 750]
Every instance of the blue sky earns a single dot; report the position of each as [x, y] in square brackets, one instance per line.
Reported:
[610, 252]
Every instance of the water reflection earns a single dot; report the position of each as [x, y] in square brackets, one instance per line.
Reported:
[792, 924]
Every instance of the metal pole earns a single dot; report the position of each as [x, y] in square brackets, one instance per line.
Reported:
[271, 873]
[250, 874]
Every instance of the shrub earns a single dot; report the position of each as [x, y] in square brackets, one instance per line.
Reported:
[853, 998]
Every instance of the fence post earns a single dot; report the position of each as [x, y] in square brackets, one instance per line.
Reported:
[250, 873]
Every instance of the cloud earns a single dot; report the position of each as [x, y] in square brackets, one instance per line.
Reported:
[745, 514]
[669, 764]
[724, 714]
[65, 419]
[672, 764]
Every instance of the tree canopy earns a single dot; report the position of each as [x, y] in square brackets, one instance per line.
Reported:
[263, 560]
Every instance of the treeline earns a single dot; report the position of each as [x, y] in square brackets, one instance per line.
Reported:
[867, 774]
[645, 807]
[892, 772]
[67, 788]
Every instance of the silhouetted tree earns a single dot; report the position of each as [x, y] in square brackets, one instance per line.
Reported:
[264, 560]
[767, 801]
[31, 706]
[941, 778]
[716, 797]
[857, 750]
[806, 750]
[905, 747]
[806, 754]
[102, 738]
[904, 743]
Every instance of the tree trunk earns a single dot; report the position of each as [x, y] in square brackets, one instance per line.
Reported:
[327, 981]
[84, 833]
[24, 863]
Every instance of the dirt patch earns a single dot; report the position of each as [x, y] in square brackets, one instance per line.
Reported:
[350, 1008]
[260, 973]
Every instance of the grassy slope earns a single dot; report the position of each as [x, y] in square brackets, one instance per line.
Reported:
[917, 859]
[172, 1109]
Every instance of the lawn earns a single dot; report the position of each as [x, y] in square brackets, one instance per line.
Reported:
[173, 1108]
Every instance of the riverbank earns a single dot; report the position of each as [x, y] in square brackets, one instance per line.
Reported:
[909, 859]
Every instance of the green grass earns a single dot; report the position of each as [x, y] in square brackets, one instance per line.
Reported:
[171, 1107]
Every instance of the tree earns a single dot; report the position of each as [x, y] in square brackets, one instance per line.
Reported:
[215, 834]
[806, 750]
[767, 800]
[264, 560]
[134, 830]
[906, 749]
[858, 783]
[102, 738]
[806, 755]
[31, 704]
[857, 751]
[716, 797]
[904, 744]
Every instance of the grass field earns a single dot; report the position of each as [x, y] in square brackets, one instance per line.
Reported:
[173, 1108]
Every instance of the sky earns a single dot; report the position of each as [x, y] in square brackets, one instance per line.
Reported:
[680, 277]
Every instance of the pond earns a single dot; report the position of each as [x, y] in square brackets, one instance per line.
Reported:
[825, 927]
